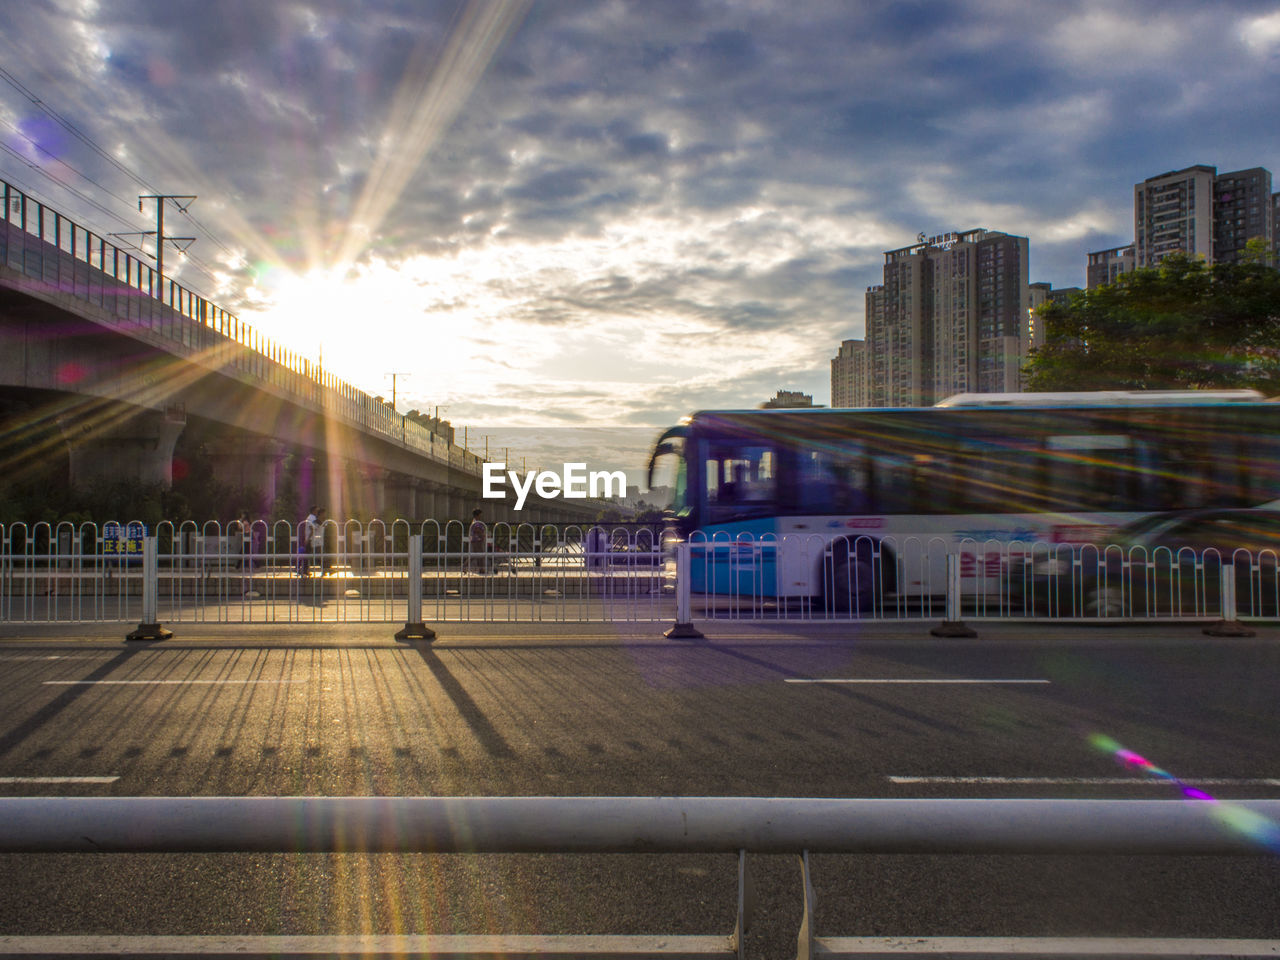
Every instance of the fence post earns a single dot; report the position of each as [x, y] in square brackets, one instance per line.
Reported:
[952, 626]
[684, 628]
[149, 628]
[414, 628]
[1228, 626]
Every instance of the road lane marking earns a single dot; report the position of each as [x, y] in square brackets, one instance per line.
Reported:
[887, 680]
[58, 779]
[1092, 781]
[91, 683]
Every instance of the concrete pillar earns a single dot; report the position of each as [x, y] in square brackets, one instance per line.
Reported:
[314, 483]
[404, 497]
[426, 500]
[247, 463]
[367, 491]
[138, 449]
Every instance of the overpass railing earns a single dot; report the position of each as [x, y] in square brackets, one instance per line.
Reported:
[63, 257]
[433, 572]
[661, 825]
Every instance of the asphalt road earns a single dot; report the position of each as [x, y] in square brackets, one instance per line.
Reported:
[597, 711]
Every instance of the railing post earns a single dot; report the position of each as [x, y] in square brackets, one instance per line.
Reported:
[952, 626]
[149, 628]
[684, 628]
[414, 628]
[1229, 625]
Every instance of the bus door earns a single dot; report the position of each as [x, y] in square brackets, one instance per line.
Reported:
[740, 492]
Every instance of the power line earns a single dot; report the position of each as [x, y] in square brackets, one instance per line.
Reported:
[72, 128]
[100, 151]
[70, 189]
[54, 156]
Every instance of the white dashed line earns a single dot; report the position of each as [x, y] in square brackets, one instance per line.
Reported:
[1093, 781]
[4, 780]
[888, 680]
[109, 683]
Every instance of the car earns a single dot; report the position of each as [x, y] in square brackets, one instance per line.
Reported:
[1164, 564]
[571, 556]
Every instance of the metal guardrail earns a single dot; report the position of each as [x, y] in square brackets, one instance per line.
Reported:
[261, 574]
[416, 574]
[733, 825]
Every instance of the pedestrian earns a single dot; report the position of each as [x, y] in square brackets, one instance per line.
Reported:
[310, 539]
[478, 537]
[244, 536]
[239, 533]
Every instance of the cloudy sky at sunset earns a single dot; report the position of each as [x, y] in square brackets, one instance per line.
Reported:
[604, 215]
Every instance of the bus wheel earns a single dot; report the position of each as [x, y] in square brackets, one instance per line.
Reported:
[853, 586]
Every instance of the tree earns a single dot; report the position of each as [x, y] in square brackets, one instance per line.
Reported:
[1183, 325]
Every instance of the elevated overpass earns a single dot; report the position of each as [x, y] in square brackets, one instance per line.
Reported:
[123, 360]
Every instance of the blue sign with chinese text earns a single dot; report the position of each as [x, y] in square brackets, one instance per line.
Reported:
[123, 542]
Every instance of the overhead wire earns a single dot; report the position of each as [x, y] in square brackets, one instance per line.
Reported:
[73, 129]
[133, 175]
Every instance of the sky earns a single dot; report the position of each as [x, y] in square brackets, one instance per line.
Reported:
[567, 224]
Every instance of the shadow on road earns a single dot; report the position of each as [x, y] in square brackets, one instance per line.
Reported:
[468, 709]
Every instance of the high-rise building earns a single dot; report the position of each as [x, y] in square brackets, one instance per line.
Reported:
[1201, 213]
[1242, 211]
[950, 318]
[1173, 213]
[1106, 266]
[1275, 222]
[849, 379]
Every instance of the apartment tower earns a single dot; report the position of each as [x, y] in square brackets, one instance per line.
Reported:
[849, 380]
[951, 317]
[1201, 213]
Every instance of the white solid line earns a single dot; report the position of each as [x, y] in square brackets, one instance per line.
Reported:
[90, 683]
[58, 779]
[872, 680]
[1100, 781]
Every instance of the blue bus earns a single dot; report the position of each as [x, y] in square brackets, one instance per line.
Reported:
[852, 506]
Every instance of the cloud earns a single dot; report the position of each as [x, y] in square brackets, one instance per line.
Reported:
[642, 206]
[1261, 34]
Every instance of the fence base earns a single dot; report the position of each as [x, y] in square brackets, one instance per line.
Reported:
[684, 631]
[149, 631]
[1229, 628]
[416, 631]
[953, 628]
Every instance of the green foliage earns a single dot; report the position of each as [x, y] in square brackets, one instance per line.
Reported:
[1183, 325]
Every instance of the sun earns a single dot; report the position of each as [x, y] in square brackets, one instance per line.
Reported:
[360, 324]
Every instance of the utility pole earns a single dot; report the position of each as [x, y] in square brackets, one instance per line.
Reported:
[393, 375]
[160, 237]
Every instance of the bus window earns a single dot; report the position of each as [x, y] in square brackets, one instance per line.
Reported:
[1094, 471]
[741, 481]
[832, 479]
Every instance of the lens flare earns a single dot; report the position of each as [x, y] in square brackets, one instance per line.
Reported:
[1264, 832]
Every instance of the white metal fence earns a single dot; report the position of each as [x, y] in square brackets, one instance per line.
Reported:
[432, 572]
[269, 573]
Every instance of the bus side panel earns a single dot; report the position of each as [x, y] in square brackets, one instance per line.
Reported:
[738, 560]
